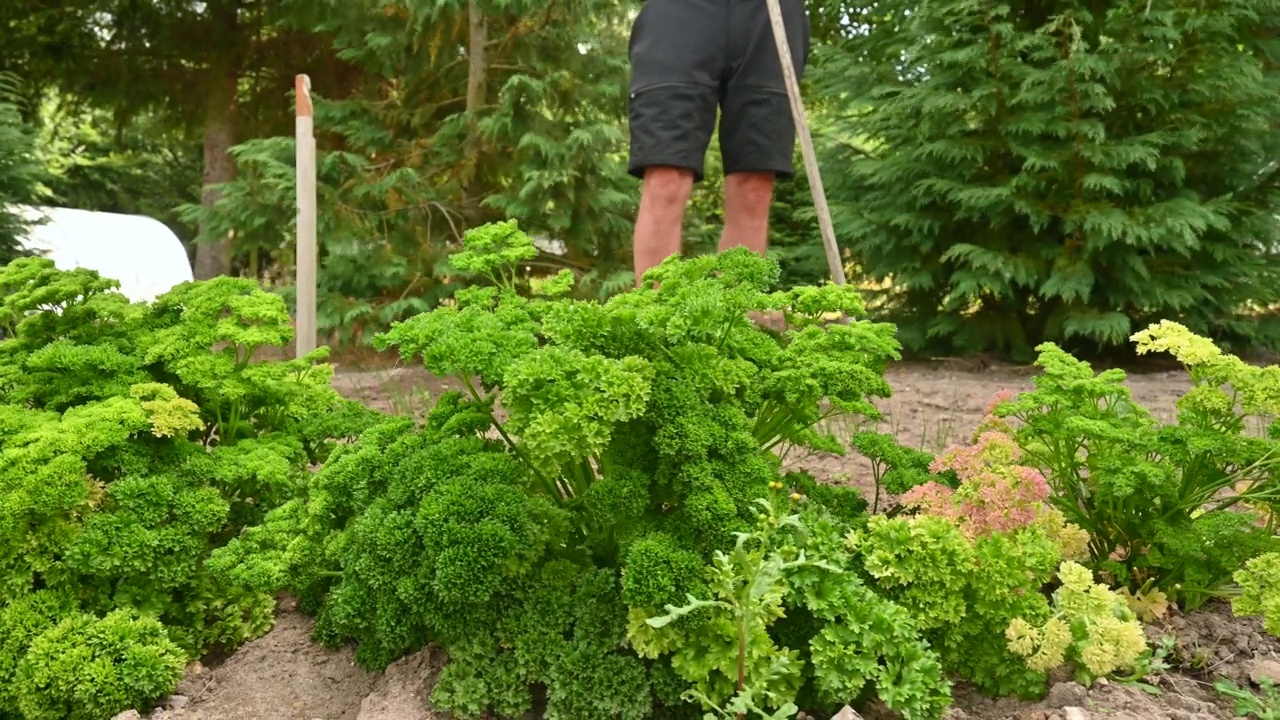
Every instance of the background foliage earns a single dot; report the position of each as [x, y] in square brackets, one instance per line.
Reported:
[1066, 170]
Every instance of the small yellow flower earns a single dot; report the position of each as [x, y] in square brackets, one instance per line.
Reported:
[1075, 576]
[1022, 637]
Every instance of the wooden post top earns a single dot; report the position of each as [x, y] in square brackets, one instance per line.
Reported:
[302, 87]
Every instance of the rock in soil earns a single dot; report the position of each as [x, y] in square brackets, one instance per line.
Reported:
[176, 702]
[1066, 694]
[1260, 670]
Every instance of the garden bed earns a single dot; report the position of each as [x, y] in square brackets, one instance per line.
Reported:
[641, 509]
[285, 675]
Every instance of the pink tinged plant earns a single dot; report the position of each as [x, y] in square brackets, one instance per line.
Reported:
[996, 494]
[934, 498]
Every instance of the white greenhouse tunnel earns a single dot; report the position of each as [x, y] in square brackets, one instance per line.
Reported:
[139, 252]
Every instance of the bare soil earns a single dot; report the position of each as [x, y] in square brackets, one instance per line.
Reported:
[284, 676]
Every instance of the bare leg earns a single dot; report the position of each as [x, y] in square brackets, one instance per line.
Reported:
[747, 197]
[663, 198]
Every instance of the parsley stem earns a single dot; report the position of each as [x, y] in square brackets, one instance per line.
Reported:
[548, 486]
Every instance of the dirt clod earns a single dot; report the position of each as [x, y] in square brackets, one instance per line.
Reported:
[280, 676]
[1262, 670]
[404, 690]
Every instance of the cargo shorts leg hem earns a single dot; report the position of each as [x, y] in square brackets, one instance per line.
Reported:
[671, 125]
[757, 133]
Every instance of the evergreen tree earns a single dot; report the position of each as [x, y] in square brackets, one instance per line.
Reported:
[20, 172]
[466, 112]
[1062, 170]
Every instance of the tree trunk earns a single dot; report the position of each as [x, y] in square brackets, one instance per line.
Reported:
[477, 60]
[477, 74]
[213, 255]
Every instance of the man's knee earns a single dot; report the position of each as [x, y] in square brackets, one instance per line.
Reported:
[667, 188]
[749, 191]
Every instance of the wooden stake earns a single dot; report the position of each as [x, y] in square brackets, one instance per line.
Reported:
[834, 262]
[307, 254]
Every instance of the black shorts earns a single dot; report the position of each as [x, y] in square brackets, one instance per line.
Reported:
[690, 57]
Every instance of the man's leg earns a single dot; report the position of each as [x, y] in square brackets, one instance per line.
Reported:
[757, 134]
[747, 196]
[663, 198]
[677, 59]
